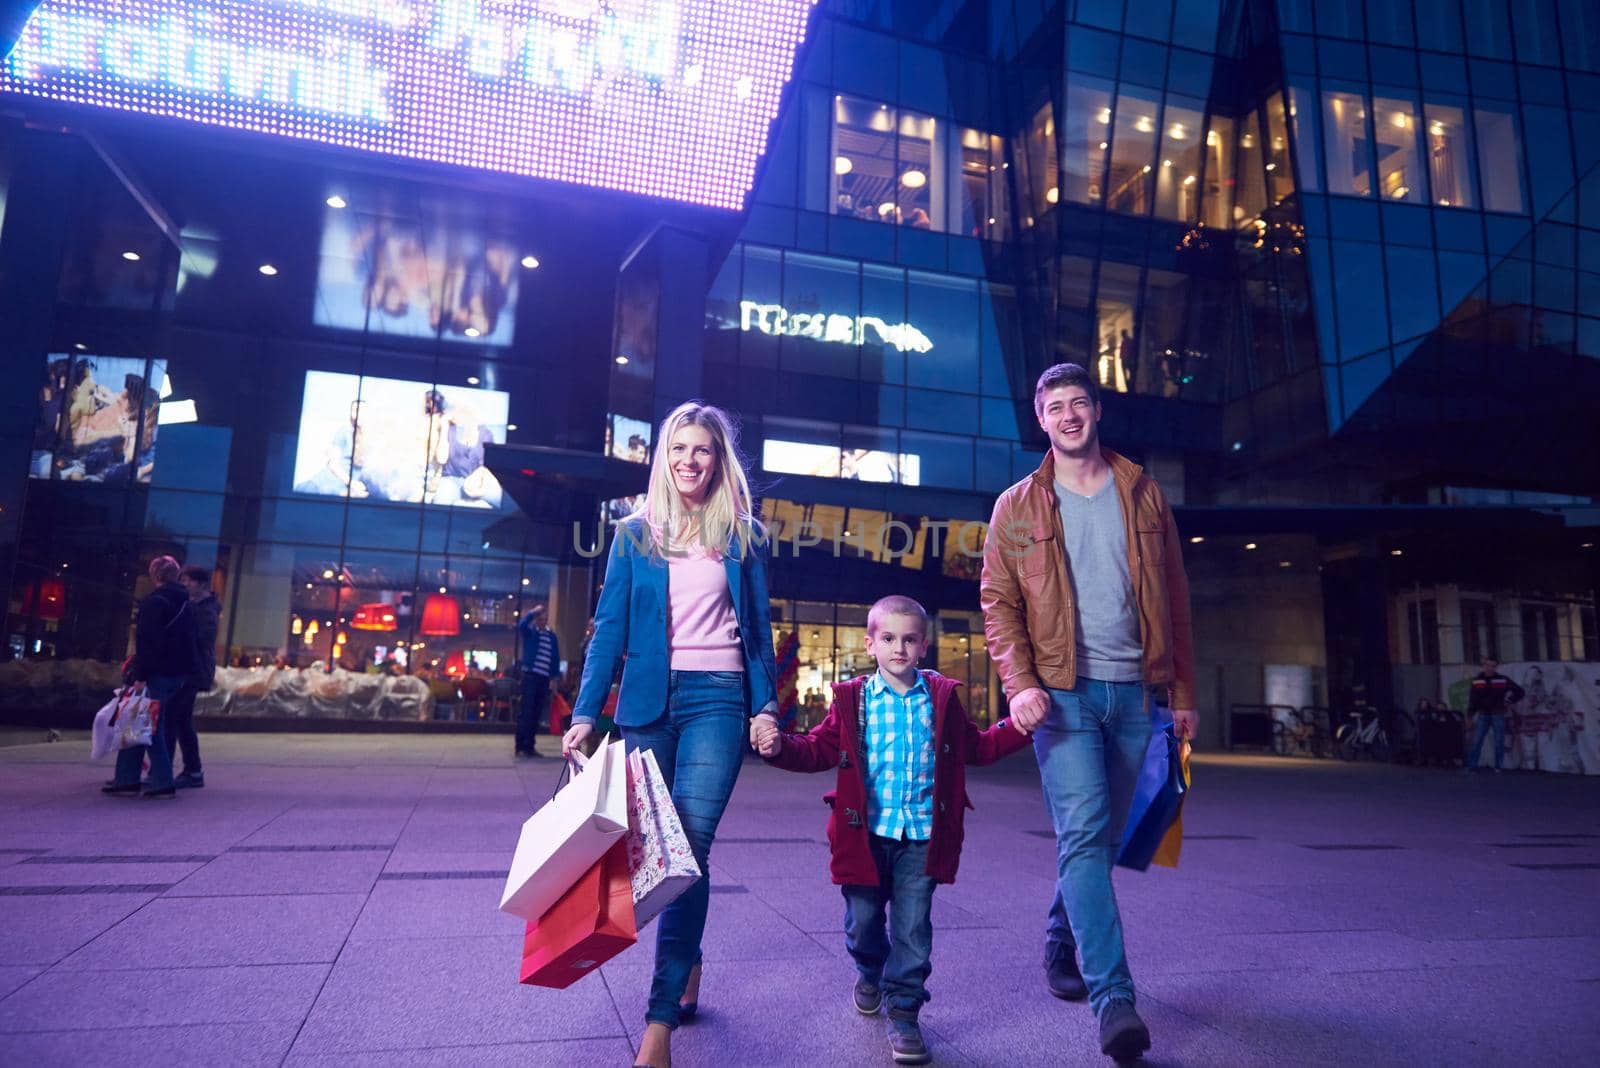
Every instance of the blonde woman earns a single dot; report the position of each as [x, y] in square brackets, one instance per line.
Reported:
[684, 613]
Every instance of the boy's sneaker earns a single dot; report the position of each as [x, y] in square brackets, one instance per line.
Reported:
[905, 1042]
[1062, 974]
[868, 998]
[1123, 1036]
[187, 781]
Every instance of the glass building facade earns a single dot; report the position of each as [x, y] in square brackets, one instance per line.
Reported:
[1335, 266]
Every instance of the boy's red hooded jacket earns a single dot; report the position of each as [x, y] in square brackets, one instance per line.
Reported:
[836, 743]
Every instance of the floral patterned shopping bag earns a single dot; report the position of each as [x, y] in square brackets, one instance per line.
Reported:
[659, 857]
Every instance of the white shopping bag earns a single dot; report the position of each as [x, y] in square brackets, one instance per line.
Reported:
[103, 736]
[659, 857]
[127, 720]
[561, 841]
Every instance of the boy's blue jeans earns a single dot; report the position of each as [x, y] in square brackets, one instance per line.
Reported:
[897, 955]
[699, 743]
[1090, 749]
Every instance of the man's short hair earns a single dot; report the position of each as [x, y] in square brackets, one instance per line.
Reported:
[1064, 374]
[165, 569]
[896, 604]
[196, 573]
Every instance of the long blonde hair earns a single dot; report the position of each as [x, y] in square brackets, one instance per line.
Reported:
[727, 514]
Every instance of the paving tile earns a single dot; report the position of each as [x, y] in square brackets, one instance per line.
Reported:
[467, 995]
[13, 976]
[90, 874]
[67, 1000]
[575, 1053]
[243, 1045]
[413, 861]
[443, 908]
[43, 930]
[282, 873]
[200, 931]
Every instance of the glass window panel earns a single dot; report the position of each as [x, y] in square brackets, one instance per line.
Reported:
[864, 175]
[1549, 156]
[1086, 138]
[1116, 354]
[997, 336]
[1399, 172]
[1075, 310]
[1389, 21]
[1359, 298]
[1217, 207]
[1488, 32]
[1040, 178]
[1414, 301]
[1133, 150]
[1158, 347]
[945, 310]
[1280, 175]
[1449, 141]
[1534, 22]
[984, 210]
[1252, 189]
[1339, 18]
[940, 459]
[1178, 177]
[883, 297]
[919, 184]
[763, 292]
[1499, 161]
[1303, 123]
[1344, 124]
[1149, 18]
[1439, 24]
[1580, 33]
[818, 324]
[1194, 22]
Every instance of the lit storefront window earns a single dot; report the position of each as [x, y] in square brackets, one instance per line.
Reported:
[1086, 138]
[1303, 124]
[984, 207]
[1399, 171]
[1218, 201]
[1280, 175]
[1178, 175]
[1133, 151]
[1345, 130]
[883, 164]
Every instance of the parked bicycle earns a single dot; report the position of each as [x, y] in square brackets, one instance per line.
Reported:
[1364, 735]
[1300, 733]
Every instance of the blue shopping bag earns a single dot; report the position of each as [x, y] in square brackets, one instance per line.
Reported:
[1154, 830]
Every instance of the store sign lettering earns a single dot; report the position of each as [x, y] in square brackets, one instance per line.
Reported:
[663, 98]
[779, 321]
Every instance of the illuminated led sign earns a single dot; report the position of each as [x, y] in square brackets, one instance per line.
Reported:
[661, 98]
[779, 321]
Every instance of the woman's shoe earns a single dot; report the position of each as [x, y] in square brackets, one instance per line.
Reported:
[640, 1062]
[687, 1009]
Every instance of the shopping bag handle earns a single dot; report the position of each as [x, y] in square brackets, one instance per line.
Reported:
[575, 762]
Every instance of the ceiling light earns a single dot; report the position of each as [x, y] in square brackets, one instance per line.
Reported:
[1283, 563]
[1166, 163]
[1272, 166]
[1249, 545]
[1104, 118]
[1400, 119]
[1104, 145]
[1052, 195]
[1396, 552]
[336, 201]
[327, 572]
[131, 257]
[842, 165]
[472, 331]
[1437, 129]
[530, 262]
[80, 346]
[511, 426]
[1212, 140]
[472, 380]
[1177, 132]
[1197, 539]
[1143, 124]
[622, 361]
[914, 179]
[886, 207]
[1189, 180]
[267, 269]
[1146, 170]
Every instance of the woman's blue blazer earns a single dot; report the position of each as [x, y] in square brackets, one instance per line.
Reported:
[630, 630]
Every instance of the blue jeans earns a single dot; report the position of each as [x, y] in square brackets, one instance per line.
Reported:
[179, 715]
[699, 743]
[1487, 721]
[1090, 749]
[130, 761]
[896, 956]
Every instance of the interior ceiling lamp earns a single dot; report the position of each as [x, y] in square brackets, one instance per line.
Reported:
[842, 165]
[914, 179]
[376, 616]
[441, 616]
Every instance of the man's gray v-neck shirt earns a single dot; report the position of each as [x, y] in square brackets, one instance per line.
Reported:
[1096, 543]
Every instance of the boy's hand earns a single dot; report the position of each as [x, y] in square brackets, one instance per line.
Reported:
[771, 743]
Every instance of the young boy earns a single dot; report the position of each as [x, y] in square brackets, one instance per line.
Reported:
[901, 741]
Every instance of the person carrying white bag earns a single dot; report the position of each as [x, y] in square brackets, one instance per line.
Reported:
[563, 839]
[127, 719]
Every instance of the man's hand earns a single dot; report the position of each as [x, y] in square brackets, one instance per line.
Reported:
[1185, 722]
[575, 737]
[1029, 708]
[765, 736]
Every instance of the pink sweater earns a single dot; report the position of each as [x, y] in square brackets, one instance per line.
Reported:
[702, 630]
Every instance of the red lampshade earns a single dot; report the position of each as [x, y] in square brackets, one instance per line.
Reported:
[50, 595]
[455, 665]
[441, 616]
[377, 616]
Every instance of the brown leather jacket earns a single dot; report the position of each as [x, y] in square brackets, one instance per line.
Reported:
[1028, 613]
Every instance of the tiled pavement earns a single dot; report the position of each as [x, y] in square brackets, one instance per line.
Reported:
[330, 900]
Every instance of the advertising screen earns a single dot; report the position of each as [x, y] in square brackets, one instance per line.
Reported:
[385, 439]
[665, 98]
[388, 276]
[97, 418]
[628, 439]
[829, 461]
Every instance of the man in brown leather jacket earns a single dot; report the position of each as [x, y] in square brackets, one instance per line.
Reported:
[1086, 607]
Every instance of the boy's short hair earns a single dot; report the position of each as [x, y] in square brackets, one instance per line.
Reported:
[197, 573]
[896, 604]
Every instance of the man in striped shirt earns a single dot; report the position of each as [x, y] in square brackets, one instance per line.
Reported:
[541, 660]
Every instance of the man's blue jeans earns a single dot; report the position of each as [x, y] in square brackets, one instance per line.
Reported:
[896, 955]
[531, 710]
[130, 761]
[1488, 721]
[1090, 749]
[699, 743]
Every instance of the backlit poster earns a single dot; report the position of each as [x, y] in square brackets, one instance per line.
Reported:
[97, 418]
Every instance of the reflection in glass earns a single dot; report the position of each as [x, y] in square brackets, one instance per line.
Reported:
[1252, 192]
[1303, 121]
[1499, 162]
[1450, 157]
[1399, 173]
[1117, 354]
[1280, 175]
[983, 200]
[1217, 209]
[1133, 151]
[1178, 177]
[1163, 364]
[1038, 155]
[1087, 136]
[1345, 131]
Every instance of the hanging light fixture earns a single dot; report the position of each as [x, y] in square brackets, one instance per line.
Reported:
[455, 665]
[441, 616]
[379, 615]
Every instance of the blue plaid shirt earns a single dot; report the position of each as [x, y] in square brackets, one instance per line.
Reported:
[898, 734]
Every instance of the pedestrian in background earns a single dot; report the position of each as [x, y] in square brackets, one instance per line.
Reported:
[164, 662]
[180, 732]
[541, 661]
